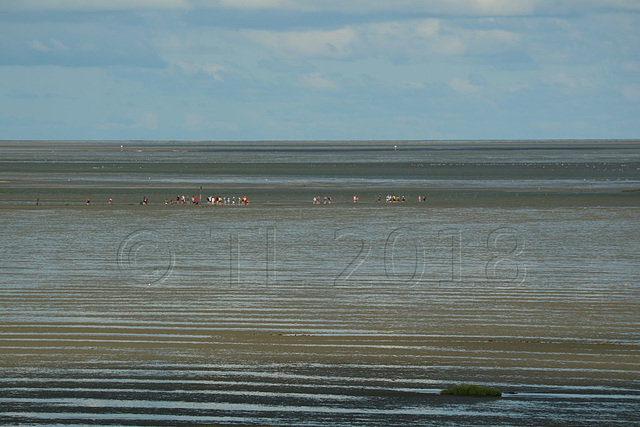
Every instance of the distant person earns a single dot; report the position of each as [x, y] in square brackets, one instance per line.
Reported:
[88, 201]
[110, 201]
[144, 200]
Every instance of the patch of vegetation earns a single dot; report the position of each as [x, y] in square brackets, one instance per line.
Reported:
[472, 390]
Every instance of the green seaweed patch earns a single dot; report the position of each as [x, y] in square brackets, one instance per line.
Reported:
[472, 390]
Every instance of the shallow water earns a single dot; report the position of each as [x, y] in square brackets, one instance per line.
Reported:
[288, 313]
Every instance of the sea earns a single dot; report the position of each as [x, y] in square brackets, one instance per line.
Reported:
[357, 281]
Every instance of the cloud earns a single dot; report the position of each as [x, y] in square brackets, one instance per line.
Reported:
[91, 5]
[58, 45]
[433, 7]
[78, 43]
[334, 44]
[23, 94]
[191, 68]
[350, 7]
[562, 80]
[39, 46]
[254, 4]
[416, 39]
[286, 66]
[51, 45]
[463, 86]
[317, 81]
[366, 60]
[570, 84]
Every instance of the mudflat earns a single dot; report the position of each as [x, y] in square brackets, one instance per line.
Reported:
[287, 312]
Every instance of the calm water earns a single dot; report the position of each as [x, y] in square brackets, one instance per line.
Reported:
[519, 272]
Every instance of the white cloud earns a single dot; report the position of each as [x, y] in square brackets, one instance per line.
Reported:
[58, 45]
[334, 44]
[413, 85]
[191, 68]
[561, 79]
[213, 70]
[51, 45]
[253, 4]
[316, 81]
[570, 83]
[518, 87]
[86, 5]
[434, 7]
[463, 86]
[39, 46]
[416, 39]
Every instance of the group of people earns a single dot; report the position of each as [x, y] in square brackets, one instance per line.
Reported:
[193, 200]
[389, 199]
[211, 200]
[218, 201]
[182, 200]
[393, 199]
[327, 200]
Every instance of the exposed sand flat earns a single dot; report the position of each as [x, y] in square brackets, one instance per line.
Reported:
[435, 332]
[288, 313]
[529, 362]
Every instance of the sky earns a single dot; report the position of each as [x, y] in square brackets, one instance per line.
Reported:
[319, 70]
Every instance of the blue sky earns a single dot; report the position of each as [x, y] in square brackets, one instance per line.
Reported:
[310, 70]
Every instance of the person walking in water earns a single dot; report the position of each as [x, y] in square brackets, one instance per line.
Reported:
[87, 201]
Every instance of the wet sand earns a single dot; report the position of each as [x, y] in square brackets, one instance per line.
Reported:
[286, 313]
[207, 328]
[284, 356]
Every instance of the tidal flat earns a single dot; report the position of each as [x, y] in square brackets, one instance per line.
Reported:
[518, 271]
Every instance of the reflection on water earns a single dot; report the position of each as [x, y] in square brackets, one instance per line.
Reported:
[260, 394]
